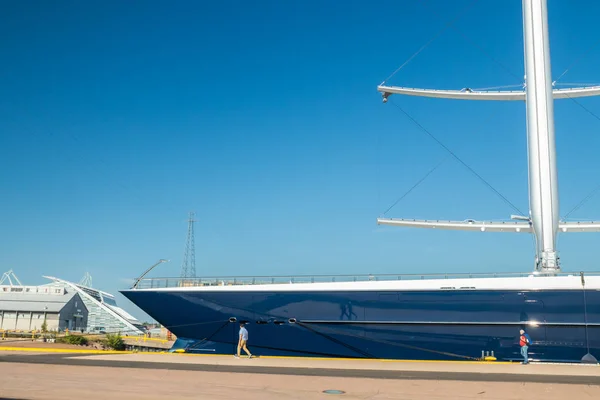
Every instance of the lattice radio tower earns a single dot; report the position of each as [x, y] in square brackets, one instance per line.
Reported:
[188, 267]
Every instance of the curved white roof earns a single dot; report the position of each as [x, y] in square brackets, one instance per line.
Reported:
[96, 297]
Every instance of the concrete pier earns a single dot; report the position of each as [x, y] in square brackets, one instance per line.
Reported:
[39, 375]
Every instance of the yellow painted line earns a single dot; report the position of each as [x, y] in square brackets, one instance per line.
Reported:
[50, 350]
[46, 350]
[390, 360]
[338, 359]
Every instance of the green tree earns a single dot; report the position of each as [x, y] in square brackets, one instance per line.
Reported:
[44, 326]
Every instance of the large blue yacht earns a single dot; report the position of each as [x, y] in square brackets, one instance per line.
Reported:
[454, 316]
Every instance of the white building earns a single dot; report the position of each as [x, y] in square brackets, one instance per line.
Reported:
[104, 316]
[63, 305]
[25, 308]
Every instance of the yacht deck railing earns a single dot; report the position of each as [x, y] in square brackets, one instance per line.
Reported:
[171, 282]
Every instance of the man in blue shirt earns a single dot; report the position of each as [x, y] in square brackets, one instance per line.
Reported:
[242, 340]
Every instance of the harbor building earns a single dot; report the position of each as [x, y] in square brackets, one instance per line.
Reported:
[104, 315]
[26, 308]
[63, 305]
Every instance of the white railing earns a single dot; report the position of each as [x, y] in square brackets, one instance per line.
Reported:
[169, 282]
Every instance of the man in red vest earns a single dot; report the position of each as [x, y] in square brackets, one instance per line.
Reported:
[524, 341]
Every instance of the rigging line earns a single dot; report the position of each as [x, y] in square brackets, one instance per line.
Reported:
[584, 108]
[396, 344]
[578, 60]
[582, 202]
[196, 344]
[334, 340]
[415, 185]
[458, 159]
[480, 48]
[534, 243]
[580, 84]
[498, 87]
[378, 169]
[585, 219]
[448, 25]
[593, 192]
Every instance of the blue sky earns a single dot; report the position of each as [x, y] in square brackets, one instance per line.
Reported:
[117, 118]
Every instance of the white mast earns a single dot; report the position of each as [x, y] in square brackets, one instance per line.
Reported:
[543, 183]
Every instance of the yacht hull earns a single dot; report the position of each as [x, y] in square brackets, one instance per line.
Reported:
[390, 324]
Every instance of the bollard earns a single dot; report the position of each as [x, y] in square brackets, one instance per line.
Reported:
[489, 357]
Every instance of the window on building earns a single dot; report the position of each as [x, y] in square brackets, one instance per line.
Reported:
[109, 301]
